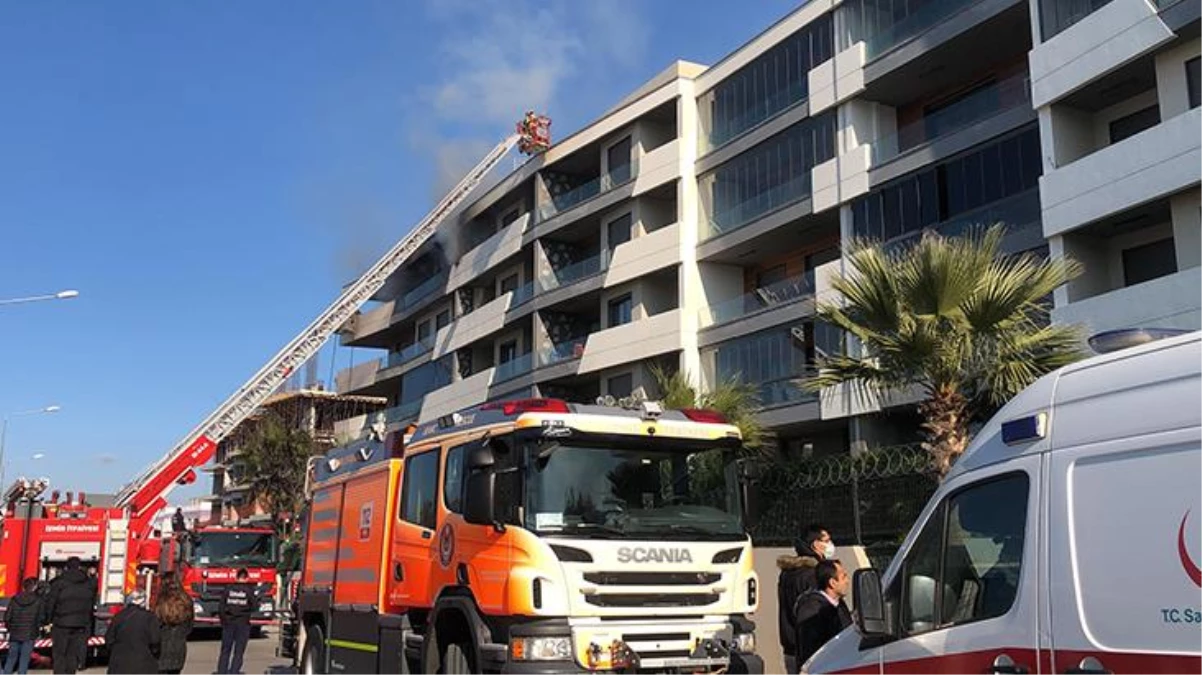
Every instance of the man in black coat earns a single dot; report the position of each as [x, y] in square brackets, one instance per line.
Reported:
[24, 616]
[133, 638]
[797, 579]
[71, 609]
[237, 604]
[821, 614]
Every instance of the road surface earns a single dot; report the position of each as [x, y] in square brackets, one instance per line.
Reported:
[203, 650]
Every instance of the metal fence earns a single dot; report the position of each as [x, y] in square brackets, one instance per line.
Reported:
[871, 498]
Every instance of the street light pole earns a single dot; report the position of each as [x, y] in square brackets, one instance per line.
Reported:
[61, 295]
[4, 431]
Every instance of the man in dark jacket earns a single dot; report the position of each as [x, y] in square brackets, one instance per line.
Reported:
[71, 609]
[178, 524]
[24, 616]
[133, 638]
[797, 579]
[237, 604]
[821, 614]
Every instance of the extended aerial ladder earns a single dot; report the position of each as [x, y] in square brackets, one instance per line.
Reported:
[146, 495]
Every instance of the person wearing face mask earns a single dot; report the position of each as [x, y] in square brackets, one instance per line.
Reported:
[796, 579]
[822, 614]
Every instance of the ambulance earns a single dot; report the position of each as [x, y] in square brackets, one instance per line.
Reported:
[1066, 539]
[532, 536]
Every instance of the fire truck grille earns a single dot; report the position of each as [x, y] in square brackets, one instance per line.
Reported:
[651, 599]
[653, 578]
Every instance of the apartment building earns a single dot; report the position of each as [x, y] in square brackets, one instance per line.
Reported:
[1116, 85]
[697, 222]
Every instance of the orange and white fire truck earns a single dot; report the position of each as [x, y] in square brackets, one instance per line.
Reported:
[531, 536]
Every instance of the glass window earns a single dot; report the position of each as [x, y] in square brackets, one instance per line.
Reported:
[772, 275]
[1149, 261]
[1193, 81]
[1128, 126]
[509, 283]
[452, 479]
[508, 351]
[419, 491]
[619, 231]
[618, 156]
[510, 216]
[966, 562]
[423, 331]
[991, 160]
[620, 385]
[620, 310]
[443, 319]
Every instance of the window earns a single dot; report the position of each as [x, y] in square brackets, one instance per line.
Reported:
[508, 351]
[619, 231]
[618, 156]
[452, 479]
[1126, 127]
[619, 310]
[419, 492]
[443, 318]
[510, 216]
[1193, 81]
[772, 275]
[620, 385]
[509, 283]
[966, 562]
[423, 331]
[1149, 261]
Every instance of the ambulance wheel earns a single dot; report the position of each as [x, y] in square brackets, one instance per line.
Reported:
[313, 659]
[455, 660]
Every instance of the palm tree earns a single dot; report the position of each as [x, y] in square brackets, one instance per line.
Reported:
[953, 317]
[738, 401]
[274, 462]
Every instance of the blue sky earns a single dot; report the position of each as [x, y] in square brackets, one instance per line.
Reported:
[208, 175]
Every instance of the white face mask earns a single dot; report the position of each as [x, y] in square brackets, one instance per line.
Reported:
[829, 551]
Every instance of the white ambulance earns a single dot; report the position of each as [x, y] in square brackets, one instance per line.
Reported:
[1067, 539]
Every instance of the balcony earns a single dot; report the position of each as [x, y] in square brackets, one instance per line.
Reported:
[632, 342]
[742, 214]
[403, 413]
[881, 39]
[514, 367]
[370, 322]
[1018, 214]
[643, 255]
[982, 104]
[492, 251]
[784, 292]
[420, 292]
[759, 112]
[561, 352]
[1167, 302]
[457, 395]
[522, 294]
[782, 392]
[409, 353]
[570, 274]
[580, 194]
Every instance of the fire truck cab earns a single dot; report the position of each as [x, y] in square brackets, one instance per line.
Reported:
[532, 536]
[208, 559]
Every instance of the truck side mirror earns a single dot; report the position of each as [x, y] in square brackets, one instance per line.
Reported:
[480, 486]
[870, 603]
[750, 492]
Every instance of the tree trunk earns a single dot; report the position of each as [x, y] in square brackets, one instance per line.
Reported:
[945, 425]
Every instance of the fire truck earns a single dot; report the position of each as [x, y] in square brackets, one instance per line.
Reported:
[208, 559]
[531, 536]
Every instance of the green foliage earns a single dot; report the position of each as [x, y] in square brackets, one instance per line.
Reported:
[274, 460]
[953, 317]
[738, 401]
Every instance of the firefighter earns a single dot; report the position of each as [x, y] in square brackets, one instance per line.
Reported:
[178, 524]
[237, 604]
[71, 607]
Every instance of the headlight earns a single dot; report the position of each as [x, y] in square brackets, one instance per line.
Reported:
[745, 643]
[541, 649]
[198, 608]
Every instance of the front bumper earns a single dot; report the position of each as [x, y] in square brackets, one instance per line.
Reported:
[739, 663]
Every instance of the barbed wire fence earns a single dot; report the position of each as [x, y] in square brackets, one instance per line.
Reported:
[871, 498]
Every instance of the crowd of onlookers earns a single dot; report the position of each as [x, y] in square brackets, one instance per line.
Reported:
[138, 639]
[811, 592]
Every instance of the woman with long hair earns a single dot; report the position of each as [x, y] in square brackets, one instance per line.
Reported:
[174, 609]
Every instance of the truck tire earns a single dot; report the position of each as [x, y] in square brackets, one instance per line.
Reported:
[313, 656]
[455, 660]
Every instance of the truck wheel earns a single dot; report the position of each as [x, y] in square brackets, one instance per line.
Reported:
[455, 660]
[313, 658]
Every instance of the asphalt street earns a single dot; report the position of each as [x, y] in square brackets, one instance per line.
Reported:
[202, 655]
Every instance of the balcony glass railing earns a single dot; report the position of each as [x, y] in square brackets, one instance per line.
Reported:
[513, 367]
[730, 219]
[756, 114]
[1058, 15]
[780, 293]
[886, 37]
[421, 291]
[1018, 214]
[409, 353]
[521, 294]
[563, 351]
[980, 105]
[582, 193]
[577, 271]
[785, 391]
[404, 412]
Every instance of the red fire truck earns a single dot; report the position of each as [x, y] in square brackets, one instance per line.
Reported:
[208, 560]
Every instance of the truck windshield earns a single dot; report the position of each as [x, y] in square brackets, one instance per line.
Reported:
[233, 549]
[632, 492]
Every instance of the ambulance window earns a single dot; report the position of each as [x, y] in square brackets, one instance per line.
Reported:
[452, 480]
[419, 493]
[967, 560]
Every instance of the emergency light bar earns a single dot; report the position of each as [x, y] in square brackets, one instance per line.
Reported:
[1114, 340]
[528, 405]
